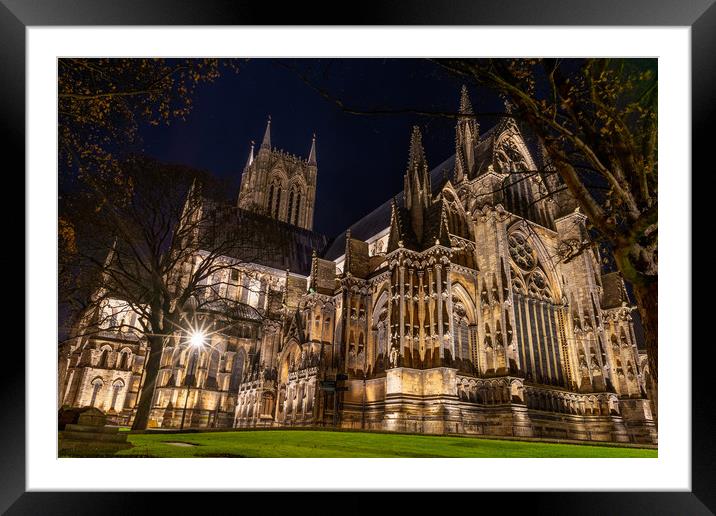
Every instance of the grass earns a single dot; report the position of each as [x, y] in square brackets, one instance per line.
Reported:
[313, 443]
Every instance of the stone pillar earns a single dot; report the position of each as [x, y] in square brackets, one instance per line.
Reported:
[439, 307]
[402, 310]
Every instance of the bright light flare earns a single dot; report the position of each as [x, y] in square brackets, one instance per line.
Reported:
[197, 339]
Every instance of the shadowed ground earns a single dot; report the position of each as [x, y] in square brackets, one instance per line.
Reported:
[312, 443]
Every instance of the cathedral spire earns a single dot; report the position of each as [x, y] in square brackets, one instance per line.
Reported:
[266, 143]
[465, 104]
[312, 154]
[418, 191]
[416, 159]
[467, 136]
[417, 179]
[250, 159]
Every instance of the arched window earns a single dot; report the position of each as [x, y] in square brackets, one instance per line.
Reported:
[123, 362]
[462, 317]
[537, 316]
[104, 357]
[96, 387]
[237, 369]
[460, 331]
[213, 370]
[189, 377]
[116, 389]
[290, 206]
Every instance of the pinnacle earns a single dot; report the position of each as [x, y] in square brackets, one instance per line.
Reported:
[465, 104]
[312, 153]
[417, 153]
[250, 159]
[266, 143]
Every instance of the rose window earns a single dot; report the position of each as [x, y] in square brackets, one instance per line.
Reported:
[521, 252]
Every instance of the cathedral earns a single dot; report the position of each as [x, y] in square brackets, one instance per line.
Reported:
[445, 310]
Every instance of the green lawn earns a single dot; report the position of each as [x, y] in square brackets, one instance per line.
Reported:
[311, 443]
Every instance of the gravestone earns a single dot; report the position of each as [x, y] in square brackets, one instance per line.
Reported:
[83, 432]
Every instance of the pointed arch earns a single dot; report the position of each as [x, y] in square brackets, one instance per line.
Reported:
[212, 370]
[104, 354]
[125, 357]
[510, 145]
[457, 218]
[380, 303]
[117, 387]
[378, 352]
[463, 326]
[237, 369]
[459, 291]
[297, 188]
[97, 385]
[287, 357]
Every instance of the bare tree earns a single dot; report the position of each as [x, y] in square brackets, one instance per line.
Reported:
[154, 239]
[102, 102]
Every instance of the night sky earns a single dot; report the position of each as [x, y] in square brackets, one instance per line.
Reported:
[361, 158]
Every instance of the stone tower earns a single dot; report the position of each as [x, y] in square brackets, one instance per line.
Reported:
[278, 184]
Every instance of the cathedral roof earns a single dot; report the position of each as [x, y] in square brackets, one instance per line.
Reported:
[235, 310]
[290, 247]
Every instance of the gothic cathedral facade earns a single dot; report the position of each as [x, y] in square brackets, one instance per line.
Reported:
[445, 310]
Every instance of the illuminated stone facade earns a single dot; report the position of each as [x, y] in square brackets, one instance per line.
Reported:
[447, 309]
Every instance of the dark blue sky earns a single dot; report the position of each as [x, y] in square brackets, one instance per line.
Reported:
[361, 159]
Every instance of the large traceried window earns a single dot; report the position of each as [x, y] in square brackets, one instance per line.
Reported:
[537, 316]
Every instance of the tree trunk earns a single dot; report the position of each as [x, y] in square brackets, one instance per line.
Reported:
[638, 265]
[151, 369]
[647, 301]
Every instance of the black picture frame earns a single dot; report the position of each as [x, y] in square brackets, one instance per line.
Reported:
[700, 15]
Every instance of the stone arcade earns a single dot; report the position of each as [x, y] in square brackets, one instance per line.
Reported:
[447, 309]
